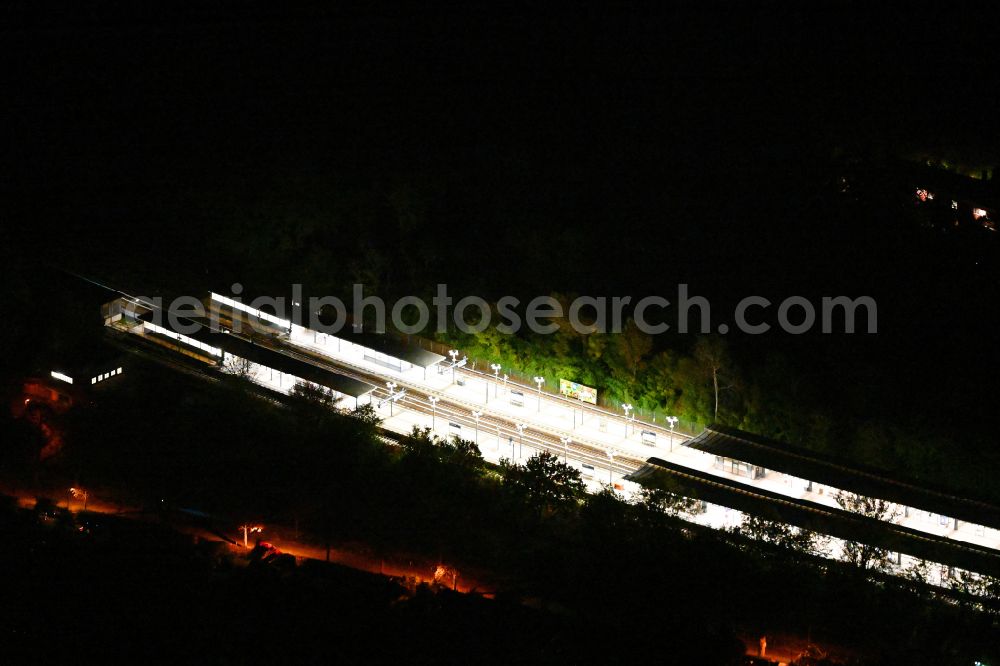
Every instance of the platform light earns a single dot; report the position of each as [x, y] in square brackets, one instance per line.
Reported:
[496, 377]
[392, 387]
[476, 414]
[672, 420]
[434, 402]
[565, 442]
[539, 381]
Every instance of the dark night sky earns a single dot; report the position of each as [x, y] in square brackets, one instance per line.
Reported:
[683, 93]
[699, 128]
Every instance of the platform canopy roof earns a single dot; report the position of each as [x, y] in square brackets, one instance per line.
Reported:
[842, 474]
[267, 356]
[390, 346]
[384, 343]
[271, 358]
[832, 521]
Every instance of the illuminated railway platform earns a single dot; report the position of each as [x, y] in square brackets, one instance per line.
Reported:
[722, 456]
[771, 466]
[804, 474]
[725, 502]
[258, 363]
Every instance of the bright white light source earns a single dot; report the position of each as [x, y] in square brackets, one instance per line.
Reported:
[237, 305]
[978, 213]
[60, 376]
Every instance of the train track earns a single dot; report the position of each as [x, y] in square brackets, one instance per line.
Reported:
[460, 412]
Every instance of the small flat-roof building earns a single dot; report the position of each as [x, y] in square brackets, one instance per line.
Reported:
[92, 369]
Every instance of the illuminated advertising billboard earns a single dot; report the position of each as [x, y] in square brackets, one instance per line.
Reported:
[578, 391]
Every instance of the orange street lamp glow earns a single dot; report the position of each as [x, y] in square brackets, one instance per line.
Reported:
[247, 529]
[79, 493]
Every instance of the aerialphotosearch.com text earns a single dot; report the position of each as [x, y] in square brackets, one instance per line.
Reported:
[687, 313]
